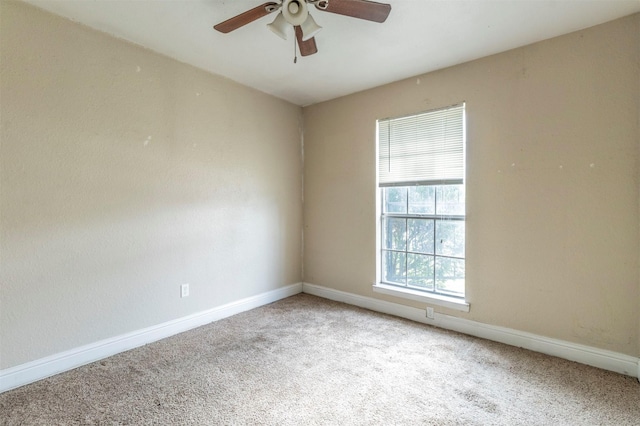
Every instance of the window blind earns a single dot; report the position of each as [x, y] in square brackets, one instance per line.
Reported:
[423, 148]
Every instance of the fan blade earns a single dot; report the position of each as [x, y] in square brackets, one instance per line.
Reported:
[246, 17]
[363, 9]
[306, 47]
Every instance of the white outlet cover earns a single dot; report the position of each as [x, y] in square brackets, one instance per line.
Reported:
[184, 290]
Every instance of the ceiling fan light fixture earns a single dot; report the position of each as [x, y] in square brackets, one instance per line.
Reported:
[295, 11]
[279, 26]
[293, 15]
[309, 28]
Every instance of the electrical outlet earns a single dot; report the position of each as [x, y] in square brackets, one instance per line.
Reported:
[430, 312]
[184, 290]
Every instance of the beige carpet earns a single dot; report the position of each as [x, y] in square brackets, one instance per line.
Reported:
[309, 361]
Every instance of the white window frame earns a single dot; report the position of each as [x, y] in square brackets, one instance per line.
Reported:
[412, 293]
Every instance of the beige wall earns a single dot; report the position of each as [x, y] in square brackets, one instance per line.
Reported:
[552, 185]
[124, 174]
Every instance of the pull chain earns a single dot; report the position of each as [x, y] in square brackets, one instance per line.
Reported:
[295, 51]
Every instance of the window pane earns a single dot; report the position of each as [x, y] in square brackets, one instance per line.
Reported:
[450, 276]
[394, 234]
[420, 271]
[450, 238]
[420, 235]
[422, 199]
[450, 200]
[395, 200]
[394, 267]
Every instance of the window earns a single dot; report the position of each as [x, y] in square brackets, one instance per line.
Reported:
[422, 212]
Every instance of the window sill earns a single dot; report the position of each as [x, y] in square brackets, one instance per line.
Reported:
[432, 299]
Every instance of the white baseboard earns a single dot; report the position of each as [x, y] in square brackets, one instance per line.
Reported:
[607, 360]
[30, 372]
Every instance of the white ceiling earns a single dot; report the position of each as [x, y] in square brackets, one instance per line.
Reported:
[419, 36]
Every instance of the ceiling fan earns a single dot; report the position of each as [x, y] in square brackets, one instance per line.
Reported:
[295, 14]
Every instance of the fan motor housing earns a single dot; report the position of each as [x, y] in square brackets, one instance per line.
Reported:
[295, 11]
